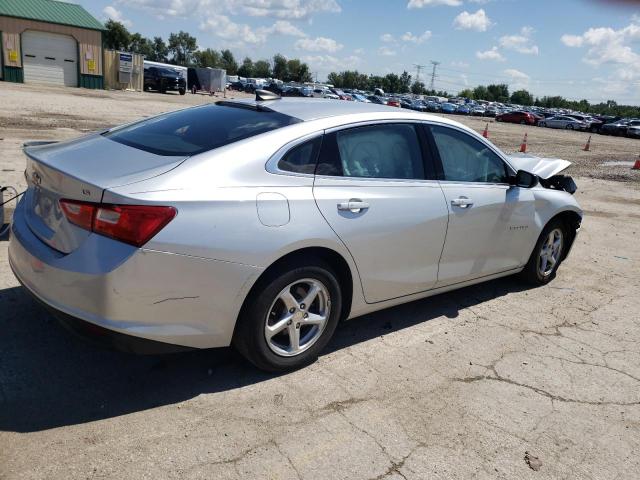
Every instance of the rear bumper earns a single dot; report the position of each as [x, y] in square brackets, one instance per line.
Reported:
[169, 298]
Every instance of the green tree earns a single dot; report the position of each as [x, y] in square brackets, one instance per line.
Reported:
[262, 69]
[481, 93]
[228, 62]
[141, 45]
[160, 50]
[246, 69]
[417, 88]
[498, 93]
[405, 82]
[207, 58]
[466, 93]
[116, 36]
[522, 97]
[182, 47]
[280, 70]
[298, 71]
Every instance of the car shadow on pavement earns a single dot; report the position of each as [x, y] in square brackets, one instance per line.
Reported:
[49, 378]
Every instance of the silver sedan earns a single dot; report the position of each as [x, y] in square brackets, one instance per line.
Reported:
[264, 223]
[566, 123]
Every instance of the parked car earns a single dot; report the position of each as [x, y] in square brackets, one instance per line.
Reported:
[478, 111]
[448, 107]
[377, 99]
[360, 98]
[633, 129]
[164, 80]
[393, 102]
[592, 124]
[129, 252]
[523, 118]
[567, 123]
[463, 110]
[418, 106]
[617, 128]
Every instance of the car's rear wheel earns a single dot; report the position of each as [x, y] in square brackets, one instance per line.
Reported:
[542, 124]
[569, 127]
[289, 317]
[547, 254]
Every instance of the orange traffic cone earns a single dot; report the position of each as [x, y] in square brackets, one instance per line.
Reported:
[485, 134]
[587, 146]
[523, 146]
[636, 166]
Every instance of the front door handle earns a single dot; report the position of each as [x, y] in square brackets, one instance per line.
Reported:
[355, 205]
[462, 202]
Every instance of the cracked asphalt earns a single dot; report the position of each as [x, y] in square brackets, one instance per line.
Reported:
[457, 386]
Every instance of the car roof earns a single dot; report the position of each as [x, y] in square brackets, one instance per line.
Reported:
[307, 109]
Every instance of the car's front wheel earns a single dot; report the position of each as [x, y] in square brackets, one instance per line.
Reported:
[289, 317]
[547, 254]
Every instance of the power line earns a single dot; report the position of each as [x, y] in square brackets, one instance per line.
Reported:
[418, 70]
[433, 73]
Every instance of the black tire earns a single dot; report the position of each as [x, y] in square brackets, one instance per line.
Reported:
[249, 337]
[542, 124]
[569, 127]
[522, 122]
[531, 273]
[182, 91]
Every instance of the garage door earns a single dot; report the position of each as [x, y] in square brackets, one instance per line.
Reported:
[49, 58]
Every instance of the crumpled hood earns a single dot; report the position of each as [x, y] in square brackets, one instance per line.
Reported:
[542, 167]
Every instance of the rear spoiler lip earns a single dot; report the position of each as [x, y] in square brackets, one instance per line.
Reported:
[38, 143]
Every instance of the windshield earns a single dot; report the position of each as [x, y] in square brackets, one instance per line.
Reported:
[197, 130]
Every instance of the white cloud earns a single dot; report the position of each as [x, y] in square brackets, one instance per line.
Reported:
[285, 9]
[430, 3]
[409, 37]
[517, 75]
[318, 44]
[386, 51]
[116, 15]
[459, 64]
[223, 27]
[520, 43]
[387, 37]
[572, 40]
[492, 54]
[478, 21]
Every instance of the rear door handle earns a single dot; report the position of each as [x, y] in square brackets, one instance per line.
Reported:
[462, 202]
[354, 205]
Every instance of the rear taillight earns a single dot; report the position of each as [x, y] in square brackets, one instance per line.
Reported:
[132, 224]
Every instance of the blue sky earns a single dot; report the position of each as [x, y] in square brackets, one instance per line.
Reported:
[575, 48]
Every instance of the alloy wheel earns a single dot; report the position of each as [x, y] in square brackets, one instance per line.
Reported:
[550, 252]
[297, 317]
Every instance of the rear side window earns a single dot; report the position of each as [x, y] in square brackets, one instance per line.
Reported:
[302, 158]
[378, 151]
[197, 130]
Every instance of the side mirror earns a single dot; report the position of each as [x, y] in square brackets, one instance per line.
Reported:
[524, 179]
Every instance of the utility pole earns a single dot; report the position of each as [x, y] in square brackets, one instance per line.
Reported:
[418, 70]
[433, 74]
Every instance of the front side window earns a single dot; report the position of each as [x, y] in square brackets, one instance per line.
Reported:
[465, 159]
[378, 151]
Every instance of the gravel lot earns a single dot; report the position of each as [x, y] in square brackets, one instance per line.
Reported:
[493, 381]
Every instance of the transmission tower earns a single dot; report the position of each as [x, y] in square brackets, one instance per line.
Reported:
[433, 74]
[418, 70]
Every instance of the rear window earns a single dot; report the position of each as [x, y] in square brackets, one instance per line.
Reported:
[197, 130]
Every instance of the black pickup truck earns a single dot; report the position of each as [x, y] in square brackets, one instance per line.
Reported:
[164, 80]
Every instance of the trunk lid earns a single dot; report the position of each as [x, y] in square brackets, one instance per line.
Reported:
[542, 167]
[81, 170]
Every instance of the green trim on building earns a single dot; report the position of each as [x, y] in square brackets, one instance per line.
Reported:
[50, 11]
[12, 74]
[91, 81]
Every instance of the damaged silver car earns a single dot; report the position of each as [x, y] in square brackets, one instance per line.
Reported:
[261, 224]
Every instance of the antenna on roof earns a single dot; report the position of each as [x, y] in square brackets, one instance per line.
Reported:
[263, 95]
